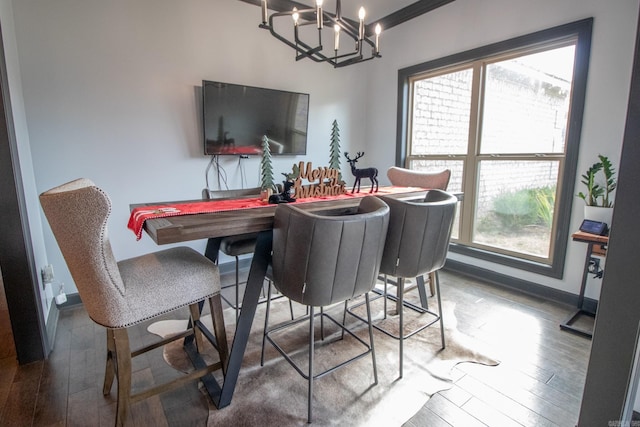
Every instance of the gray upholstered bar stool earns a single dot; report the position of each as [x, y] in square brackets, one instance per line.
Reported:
[432, 180]
[121, 294]
[417, 243]
[234, 246]
[323, 260]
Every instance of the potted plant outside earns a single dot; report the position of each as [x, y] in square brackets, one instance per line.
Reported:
[599, 195]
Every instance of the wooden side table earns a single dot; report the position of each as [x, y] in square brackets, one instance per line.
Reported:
[596, 245]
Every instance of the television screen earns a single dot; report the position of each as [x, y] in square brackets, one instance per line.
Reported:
[236, 118]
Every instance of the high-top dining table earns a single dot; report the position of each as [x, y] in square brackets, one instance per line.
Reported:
[214, 226]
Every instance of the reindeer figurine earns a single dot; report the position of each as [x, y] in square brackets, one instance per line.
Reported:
[371, 173]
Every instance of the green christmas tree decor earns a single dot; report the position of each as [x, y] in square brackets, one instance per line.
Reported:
[334, 161]
[266, 169]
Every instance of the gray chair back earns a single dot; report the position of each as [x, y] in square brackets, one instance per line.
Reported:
[230, 194]
[409, 178]
[77, 213]
[320, 260]
[419, 233]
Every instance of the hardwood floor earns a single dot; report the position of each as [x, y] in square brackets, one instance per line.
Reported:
[540, 378]
[538, 382]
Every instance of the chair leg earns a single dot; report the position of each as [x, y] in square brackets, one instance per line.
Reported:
[237, 290]
[311, 350]
[373, 350]
[266, 323]
[217, 318]
[110, 368]
[344, 318]
[123, 372]
[385, 297]
[194, 309]
[432, 279]
[321, 323]
[437, 285]
[400, 296]
[423, 292]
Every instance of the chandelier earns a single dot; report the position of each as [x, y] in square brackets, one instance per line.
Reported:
[303, 21]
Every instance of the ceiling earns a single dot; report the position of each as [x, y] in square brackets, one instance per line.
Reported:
[388, 13]
[376, 9]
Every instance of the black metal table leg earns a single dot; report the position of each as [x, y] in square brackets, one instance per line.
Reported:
[257, 272]
[567, 325]
[221, 396]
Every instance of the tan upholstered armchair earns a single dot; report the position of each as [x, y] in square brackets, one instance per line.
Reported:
[120, 294]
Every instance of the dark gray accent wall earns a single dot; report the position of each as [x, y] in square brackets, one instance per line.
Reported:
[16, 255]
[618, 318]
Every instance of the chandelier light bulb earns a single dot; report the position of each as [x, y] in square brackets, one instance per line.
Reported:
[378, 31]
[336, 38]
[361, 15]
[264, 11]
[295, 16]
[320, 18]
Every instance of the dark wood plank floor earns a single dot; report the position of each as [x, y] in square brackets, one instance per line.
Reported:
[538, 383]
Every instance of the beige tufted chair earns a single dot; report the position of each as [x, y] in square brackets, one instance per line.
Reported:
[120, 294]
[322, 260]
[410, 178]
[402, 177]
[417, 243]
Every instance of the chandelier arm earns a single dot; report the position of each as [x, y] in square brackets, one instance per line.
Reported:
[353, 61]
[304, 50]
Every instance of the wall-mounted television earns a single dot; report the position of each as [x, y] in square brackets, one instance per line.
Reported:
[236, 117]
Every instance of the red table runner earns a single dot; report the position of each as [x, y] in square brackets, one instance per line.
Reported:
[143, 213]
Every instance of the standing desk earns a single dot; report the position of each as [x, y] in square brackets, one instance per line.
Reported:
[215, 226]
[596, 245]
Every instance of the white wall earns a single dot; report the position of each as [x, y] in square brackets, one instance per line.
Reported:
[110, 92]
[468, 24]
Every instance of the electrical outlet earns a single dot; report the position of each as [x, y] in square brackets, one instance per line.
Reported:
[47, 273]
[61, 298]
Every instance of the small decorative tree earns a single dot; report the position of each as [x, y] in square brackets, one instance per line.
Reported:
[266, 168]
[334, 160]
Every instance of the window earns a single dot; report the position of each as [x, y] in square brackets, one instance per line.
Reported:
[506, 120]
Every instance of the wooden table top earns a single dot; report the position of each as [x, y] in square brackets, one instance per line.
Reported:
[581, 236]
[184, 228]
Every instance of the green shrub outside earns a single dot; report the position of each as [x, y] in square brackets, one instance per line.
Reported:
[516, 209]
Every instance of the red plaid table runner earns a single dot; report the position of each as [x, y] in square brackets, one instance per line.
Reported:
[143, 213]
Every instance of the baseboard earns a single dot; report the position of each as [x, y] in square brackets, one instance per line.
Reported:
[73, 300]
[490, 276]
[52, 325]
[520, 285]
